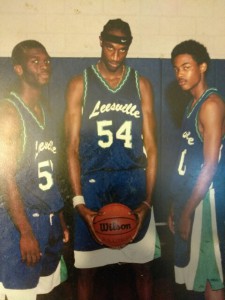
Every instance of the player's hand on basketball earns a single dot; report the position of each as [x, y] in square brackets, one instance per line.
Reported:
[140, 212]
[88, 216]
[115, 225]
[29, 247]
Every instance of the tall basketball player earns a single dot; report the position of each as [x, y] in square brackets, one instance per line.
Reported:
[109, 119]
[198, 189]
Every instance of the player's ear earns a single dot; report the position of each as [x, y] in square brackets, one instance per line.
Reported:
[18, 70]
[203, 67]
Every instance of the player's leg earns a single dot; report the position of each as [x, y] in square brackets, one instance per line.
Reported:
[192, 295]
[132, 194]
[93, 188]
[144, 281]
[212, 294]
[85, 284]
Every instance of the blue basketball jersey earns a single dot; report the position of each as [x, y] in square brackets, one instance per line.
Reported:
[35, 174]
[191, 159]
[198, 259]
[111, 130]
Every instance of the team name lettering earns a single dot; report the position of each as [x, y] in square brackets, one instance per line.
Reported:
[190, 140]
[128, 109]
[42, 146]
[114, 226]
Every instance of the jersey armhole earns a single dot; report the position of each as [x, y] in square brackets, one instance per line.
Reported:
[137, 80]
[85, 83]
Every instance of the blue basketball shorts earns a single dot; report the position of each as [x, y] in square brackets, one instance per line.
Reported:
[104, 187]
[15, 274]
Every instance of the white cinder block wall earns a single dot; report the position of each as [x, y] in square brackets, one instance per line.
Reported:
[70, 28]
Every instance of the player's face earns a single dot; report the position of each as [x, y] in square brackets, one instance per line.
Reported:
[113, 55]
[36, 67]
[188, 72]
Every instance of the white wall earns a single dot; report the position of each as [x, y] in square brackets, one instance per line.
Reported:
[70, 28]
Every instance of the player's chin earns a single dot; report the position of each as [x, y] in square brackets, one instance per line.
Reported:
[44, 81]
[44, 78]
[184, 87]
[114, 67]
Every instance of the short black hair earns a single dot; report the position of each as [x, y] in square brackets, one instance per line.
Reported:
[20, 49]
[198, 51]
[117, 24]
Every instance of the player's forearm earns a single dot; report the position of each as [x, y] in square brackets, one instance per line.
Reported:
[151, 171]
[16, 209]
[74, 171]
[203, 183]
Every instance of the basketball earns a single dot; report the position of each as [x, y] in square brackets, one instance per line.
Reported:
[115, 225]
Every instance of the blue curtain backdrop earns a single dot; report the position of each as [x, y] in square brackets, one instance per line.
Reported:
[169, 106]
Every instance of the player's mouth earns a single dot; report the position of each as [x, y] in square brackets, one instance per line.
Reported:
[45, 75]
[182, 82]
[114, 65]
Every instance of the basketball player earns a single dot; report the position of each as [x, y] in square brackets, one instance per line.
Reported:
[32, 225]
[109, 118]
[198, 186]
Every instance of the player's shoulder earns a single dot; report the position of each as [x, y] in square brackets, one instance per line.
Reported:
[9, 113]
[75, 86]
[79, 77]
[76, 80]
[213, 103]
[145, 83]
[143, 80]
[214, 98]
[7, 106]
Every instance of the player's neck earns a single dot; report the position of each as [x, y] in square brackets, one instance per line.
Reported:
[198, 91]
[29, 94]
[32, 97]
[112, 78]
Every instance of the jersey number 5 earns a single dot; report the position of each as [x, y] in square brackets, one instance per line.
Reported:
[43, 172]
[123, 133]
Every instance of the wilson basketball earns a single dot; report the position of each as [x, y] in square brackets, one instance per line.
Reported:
[115, 225]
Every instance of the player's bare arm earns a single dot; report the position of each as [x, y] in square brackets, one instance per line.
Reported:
[11, 147]
[149, 136]
[72, 126]
[74, 97]
[211, 127]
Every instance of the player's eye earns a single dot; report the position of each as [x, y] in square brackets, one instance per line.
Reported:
[186, 67]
